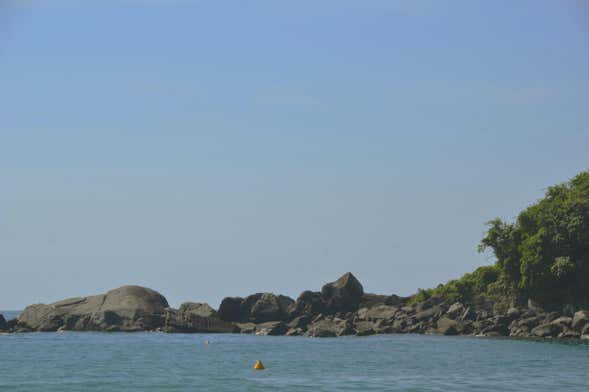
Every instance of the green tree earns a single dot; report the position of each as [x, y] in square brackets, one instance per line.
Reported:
[545, 253]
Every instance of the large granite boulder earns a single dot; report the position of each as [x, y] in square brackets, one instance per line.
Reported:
[309, 303]
[128, 308]
[197, 309]
[330, 327]
[547, 330]
[237, 309]
[580, 319]
[138, 307]
[248, 303]
[270, 307]
[563, 321]
[446, 326]
[230, 309]
[257, 308]
[343, 295]
[40, 317]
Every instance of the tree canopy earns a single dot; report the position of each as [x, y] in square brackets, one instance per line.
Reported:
[544, 254]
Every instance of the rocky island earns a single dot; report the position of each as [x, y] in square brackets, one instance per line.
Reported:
[537, 288]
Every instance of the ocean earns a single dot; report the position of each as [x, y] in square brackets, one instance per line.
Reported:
[87, 361]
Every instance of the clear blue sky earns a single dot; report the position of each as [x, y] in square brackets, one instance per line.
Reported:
[209, 148]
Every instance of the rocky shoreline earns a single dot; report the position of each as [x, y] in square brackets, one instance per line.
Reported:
[340, 308]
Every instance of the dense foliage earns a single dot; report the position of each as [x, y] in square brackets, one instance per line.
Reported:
[543, 255]
[465, 288]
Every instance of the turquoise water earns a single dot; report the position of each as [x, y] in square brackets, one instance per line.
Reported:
[74, 361]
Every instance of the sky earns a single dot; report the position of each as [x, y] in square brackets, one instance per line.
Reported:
[209, 148]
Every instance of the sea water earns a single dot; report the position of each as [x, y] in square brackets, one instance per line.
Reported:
[89, 361]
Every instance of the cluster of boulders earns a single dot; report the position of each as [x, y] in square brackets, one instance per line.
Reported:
[324, 313]
[125, 309]
[340, 308]
[437, 316]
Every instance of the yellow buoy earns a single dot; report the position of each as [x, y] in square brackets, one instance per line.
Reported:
[259, 365]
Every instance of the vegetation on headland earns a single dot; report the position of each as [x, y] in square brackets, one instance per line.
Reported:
[463, 289]
[543, 255]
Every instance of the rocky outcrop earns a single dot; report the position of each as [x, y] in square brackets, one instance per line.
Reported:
[230, 309]
[564, 322]
[3, 324]
[128, 308]
[447, 326]
[197, 309]
[378, 312]
[456, 310]
[256, 308]
[369, 300]
[270, 307]
[340, 308]
[309, 303]
[428, 314]
[40, 317]
[299, 324]
[195, 317]
[343, 295]
[313, 313]
[330, 327]
[547, 330]
[580, 319]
